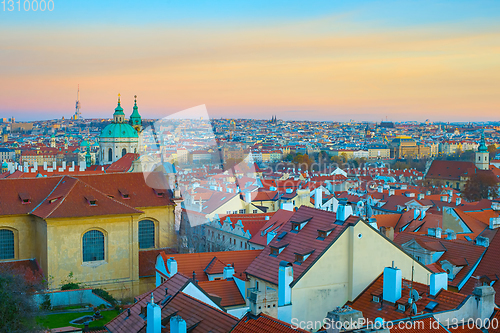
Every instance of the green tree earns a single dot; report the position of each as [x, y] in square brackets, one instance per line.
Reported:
[493, 151]
[481, 185]
[18, 309]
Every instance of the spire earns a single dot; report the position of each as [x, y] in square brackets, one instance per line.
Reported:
[482, 145]
[135, 118]
[119, 116]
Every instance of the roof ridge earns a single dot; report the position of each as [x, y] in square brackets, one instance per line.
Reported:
[61, 201]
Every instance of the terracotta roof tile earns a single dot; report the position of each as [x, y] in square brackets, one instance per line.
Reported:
[227, 290]
[265, 266]
[263, 324]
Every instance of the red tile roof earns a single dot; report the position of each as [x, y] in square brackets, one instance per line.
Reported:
[251, 222]
[279, 218]
[266, 266]
[29, 268]
[460, 252]
[447, 300]
[263, 323]
[135, 322]
[488, 266]
[227, 290]
[450, 170]
[198, 262]
[123, 164]
[147, 260]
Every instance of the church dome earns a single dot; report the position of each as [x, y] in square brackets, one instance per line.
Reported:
[119, 131]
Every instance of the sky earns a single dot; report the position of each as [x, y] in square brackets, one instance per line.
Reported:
[299, 60]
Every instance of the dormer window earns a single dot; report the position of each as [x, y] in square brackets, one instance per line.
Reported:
[159, 192]
[124, 193]
[275, 250]
[322, 234]
[298, 225]
[25, 198]
[302, 256]
[91, 200]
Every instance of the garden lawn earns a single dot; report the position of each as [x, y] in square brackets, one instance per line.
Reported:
[61, 320]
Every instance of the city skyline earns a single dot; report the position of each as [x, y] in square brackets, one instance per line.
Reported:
[363, 60]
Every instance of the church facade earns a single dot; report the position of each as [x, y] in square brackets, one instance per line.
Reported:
[93, 228]
[120, 137]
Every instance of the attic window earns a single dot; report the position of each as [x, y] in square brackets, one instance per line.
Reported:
[91, 200]
[52, 200]
[431, 306]
[25, 198]
[322, 234]
[299, 258]
[159, 192]
[299, 225]
[124, 193]
[275, 250]
[376, 299]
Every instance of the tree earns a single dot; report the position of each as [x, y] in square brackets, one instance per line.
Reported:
[481, 185]
[492, 149]
[18, 309]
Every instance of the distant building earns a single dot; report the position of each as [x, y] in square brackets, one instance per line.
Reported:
[119, 137]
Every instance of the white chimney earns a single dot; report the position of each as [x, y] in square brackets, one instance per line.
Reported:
[83, 165]
[289, 190]
[391, 191]
[438, 232]
[178, 325]
[393, 280]
[458, 201]
[171, 266]
[35, 165]
[285, 277]
[420, 196]
[270, 235]
[416, 213]
[228, 272]
[64, 165]
[266, 218]
[485, 303]
[318, 198]
[494, 222]
[45, 165]
[438, 281]
[483, 241]
[153, 319]
[248, 197]
[422, 214]
[343, 210]
[54, 165]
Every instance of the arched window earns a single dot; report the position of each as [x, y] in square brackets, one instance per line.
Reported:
[110, 154]
[124, 151]
[146, 234]
[93, 246]
[6, 244]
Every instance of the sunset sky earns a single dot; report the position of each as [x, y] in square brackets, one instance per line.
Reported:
[309, 60]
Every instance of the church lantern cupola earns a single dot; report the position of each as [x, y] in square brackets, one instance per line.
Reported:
[119, 115]
[135, 118]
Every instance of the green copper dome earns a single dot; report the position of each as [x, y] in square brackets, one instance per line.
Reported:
[4, 165]
[115, 130]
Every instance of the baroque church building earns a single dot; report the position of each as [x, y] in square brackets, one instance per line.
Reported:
[120, 137]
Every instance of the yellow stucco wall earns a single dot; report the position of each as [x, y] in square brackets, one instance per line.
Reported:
[346, 269]
[57, 246]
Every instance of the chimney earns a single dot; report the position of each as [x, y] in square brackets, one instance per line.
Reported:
[341, 318]
[485, 302]
[380, 189]
[458, 201]
[438, 232]
[83, 165]
[420, 196]
[387, 232]
[177, 325]
[228, 272]
[270, 235]
[444, 198]
[343, 210]
[285, 277]
[248, 197]
[318, 198]
[54, 165]
[64, 165]
[289, 190]
[153, 317]
[438, 281]
[483, 241]
[391, 192]
[494, 222]
[450, 234]
[393, 280]
[450, 192]
[428, 193]
[171, 266]
[266, 218]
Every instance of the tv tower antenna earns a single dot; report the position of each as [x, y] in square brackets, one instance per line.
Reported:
[77, 114]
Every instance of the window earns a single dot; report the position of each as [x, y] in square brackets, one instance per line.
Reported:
[6, 244]
[401, 307]
[242, 211]
[110, 155]
[146, 234]
[376, 299]
[93, 246]
[255, 211]
[124, 151]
